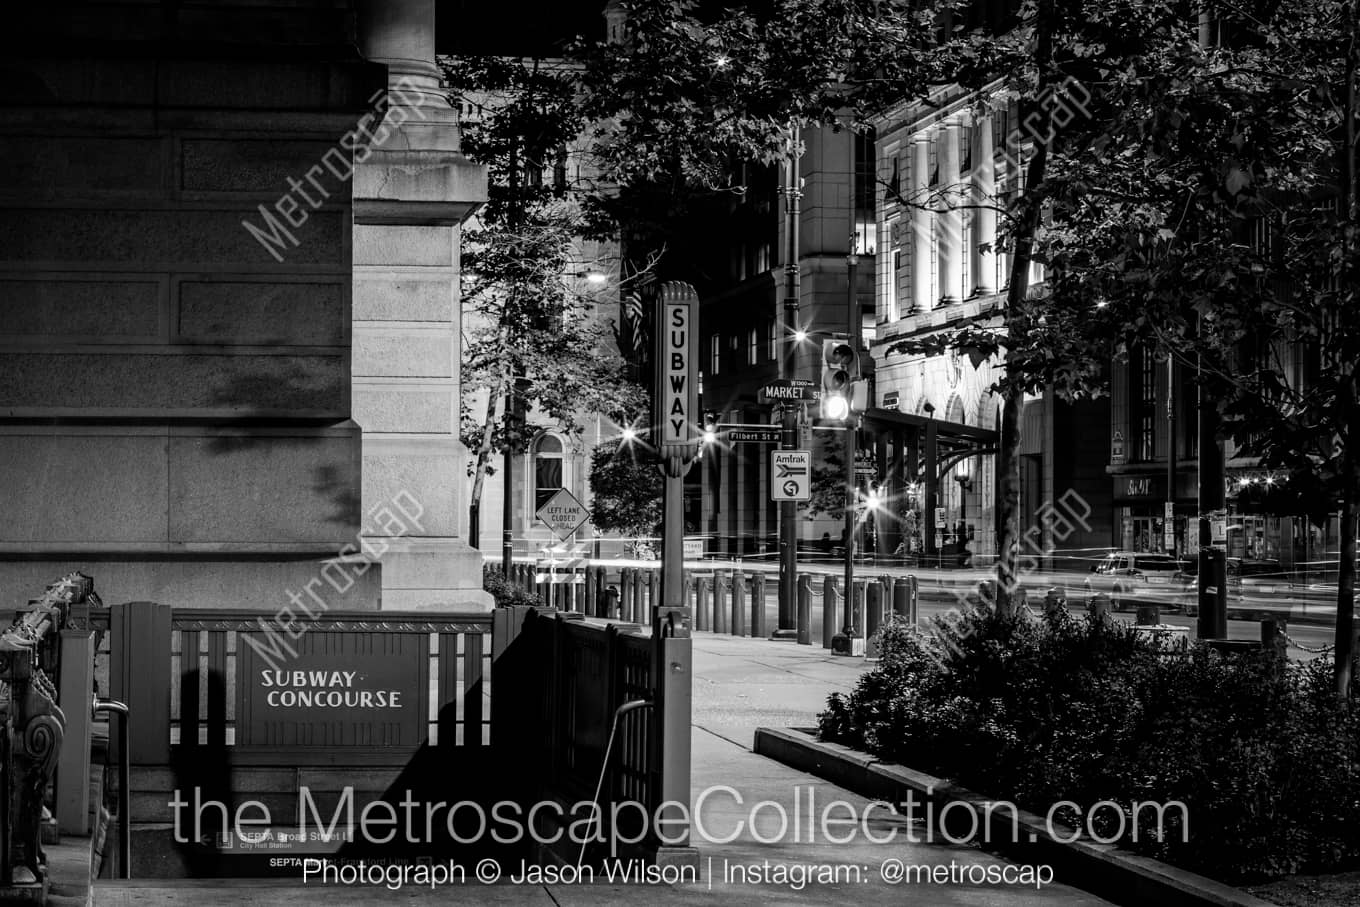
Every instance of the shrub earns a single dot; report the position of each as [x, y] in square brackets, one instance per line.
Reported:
[1063, 708]
[507, 593]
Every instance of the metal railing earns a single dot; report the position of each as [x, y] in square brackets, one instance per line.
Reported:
[102, 706]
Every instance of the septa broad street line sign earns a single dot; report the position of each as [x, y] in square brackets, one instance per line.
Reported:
[790, 475]
[562, 513]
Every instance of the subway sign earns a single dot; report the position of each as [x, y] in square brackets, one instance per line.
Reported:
[676, 403]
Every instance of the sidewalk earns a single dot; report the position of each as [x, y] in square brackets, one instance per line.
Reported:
[739, 685]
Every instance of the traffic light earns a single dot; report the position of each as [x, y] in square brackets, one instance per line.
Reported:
[710, 433]
[840, 369]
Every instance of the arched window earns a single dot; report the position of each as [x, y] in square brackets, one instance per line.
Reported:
[547, 469]
[954, 412]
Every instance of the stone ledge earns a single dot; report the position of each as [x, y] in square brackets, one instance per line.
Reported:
[1103, 869]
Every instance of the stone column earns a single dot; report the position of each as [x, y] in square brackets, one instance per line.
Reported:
[950, 220]
[412, 192]
[984, 217]
[922, 225]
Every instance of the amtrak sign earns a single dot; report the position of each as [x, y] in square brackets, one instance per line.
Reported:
[677, 391]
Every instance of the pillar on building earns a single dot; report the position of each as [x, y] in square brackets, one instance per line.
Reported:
[175, 392]
[951, 215]
[412, 193]
[983, 266]
[922, 225]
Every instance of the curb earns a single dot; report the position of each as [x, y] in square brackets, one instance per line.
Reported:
[1102, 869]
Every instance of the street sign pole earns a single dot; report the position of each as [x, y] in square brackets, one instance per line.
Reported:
[674, 425]
[788, 541]
[788, 510]
[852, 319]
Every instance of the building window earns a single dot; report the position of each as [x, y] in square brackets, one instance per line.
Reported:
[866, 164]
[1144, 405]
[547, 469]
[773, 339]
[893, 274]
[753, 347]
[714, 354]
[762, 258]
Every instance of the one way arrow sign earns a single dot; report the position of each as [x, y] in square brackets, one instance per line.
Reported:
[785, 470]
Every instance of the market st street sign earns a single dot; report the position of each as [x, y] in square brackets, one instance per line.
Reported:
[789, 389]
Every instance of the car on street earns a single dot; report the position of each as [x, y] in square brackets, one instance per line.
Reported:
[1131, 578]
[1256, 586]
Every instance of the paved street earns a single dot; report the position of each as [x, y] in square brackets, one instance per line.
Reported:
[739, 685]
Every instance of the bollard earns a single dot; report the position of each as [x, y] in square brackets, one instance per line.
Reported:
[828, 611]
[1147, 616]
[873, 618]
[804, 610]
[639, 596]
[1054, 603]
[903, 601]
[1273, 637]
[738, 604]
[653, 595]
[758, 606]
[1100, 606]
[701, 621]
[855, 612]
[719, 602]
[590, 593]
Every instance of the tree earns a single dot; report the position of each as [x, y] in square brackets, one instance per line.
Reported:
[532, 332]
[627, 488]
[1219, 229]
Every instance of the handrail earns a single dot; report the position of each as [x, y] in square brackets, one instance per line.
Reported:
[124, 771]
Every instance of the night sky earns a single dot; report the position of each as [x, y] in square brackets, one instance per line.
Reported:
[515, 29]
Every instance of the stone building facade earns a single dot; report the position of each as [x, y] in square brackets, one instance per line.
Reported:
[229, 309]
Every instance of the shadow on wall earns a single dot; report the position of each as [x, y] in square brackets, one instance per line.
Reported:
[298, 398]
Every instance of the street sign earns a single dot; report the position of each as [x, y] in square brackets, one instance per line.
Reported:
[790, 475]
[677, 391]
[750, 434]
[786, 389]
[864, 464]
[562, 513]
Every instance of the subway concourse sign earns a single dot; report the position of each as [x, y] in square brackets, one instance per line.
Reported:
[790, 475]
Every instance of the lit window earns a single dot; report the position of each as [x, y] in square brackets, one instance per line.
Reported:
[714, 354]
[753, 347]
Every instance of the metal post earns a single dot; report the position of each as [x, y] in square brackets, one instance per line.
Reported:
[852, 326]
[124, 774]
[1169, 527]
[73, 762]
[1212, 622]
[508, 486]
[804, 610]
[738, 604]
[788, 534]
[758, 605]
[873, 617]
[788, 368]
[829, 628]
